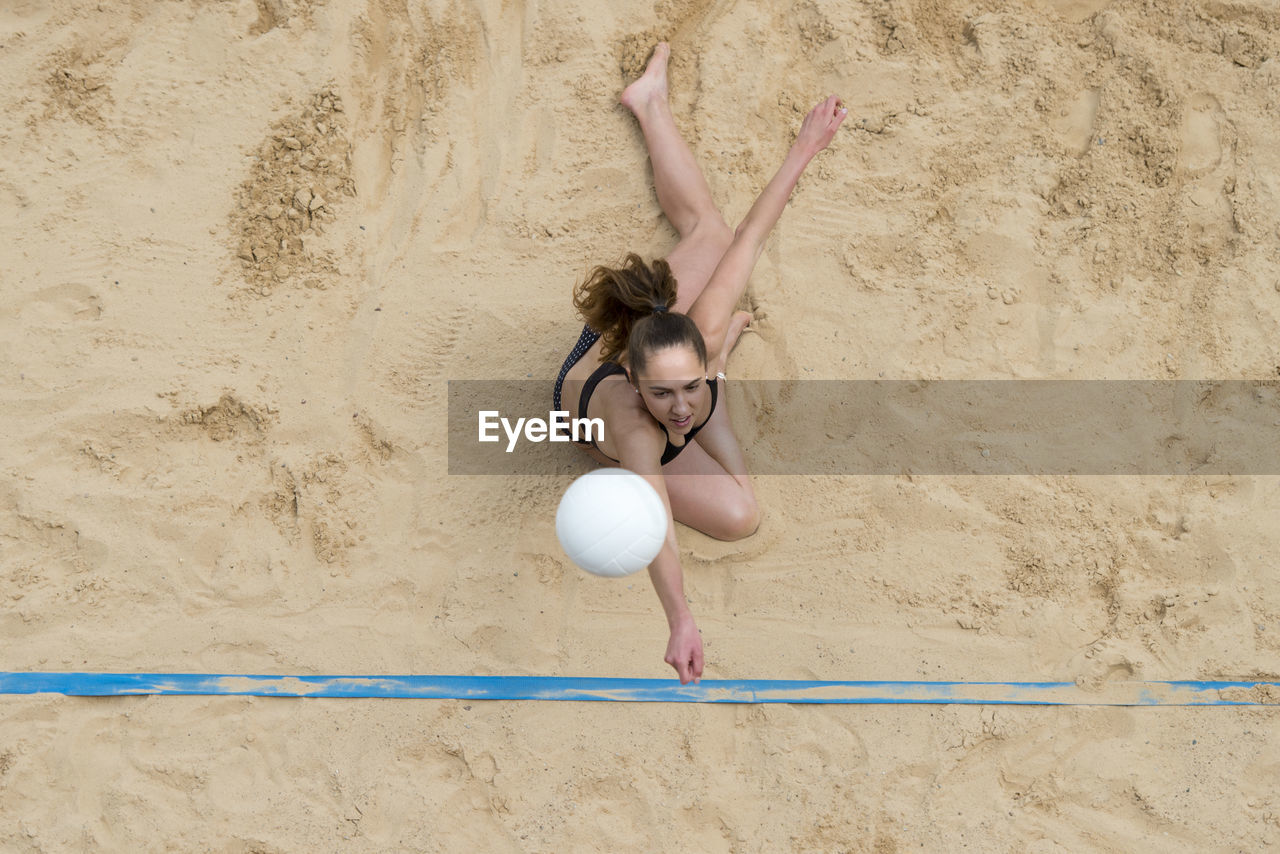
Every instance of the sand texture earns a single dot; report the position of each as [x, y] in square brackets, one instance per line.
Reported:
[245, 244]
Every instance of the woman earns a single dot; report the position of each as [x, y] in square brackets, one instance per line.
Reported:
[650, 362]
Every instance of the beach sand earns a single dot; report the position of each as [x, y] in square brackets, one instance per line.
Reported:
[245, 246]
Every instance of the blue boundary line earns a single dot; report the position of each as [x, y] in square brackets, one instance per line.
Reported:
[609, 689]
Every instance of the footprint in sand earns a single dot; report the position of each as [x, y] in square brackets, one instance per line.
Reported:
[1076, 11]
[271, 14]
[1075, 124]
[1105, 661]
[1209, 205]
[1202, 126]
[60, 304]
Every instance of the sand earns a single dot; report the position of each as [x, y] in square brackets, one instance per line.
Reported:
[246, 245]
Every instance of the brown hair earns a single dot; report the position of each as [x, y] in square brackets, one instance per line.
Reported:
[629, 305]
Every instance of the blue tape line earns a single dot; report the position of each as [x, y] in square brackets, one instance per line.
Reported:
[1186, 693]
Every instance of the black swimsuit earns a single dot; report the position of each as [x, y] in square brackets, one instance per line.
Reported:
[607, 369]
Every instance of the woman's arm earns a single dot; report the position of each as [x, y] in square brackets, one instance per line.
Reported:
[714, 306]
[640, 450]
[684, 645]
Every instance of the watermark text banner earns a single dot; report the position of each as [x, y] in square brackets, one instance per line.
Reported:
[942, 427]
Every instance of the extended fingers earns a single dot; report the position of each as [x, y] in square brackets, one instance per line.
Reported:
[830, 108]
[825, 106]
[838, 109]
[681, 666]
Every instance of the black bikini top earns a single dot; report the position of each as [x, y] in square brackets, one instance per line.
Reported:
[608, 369]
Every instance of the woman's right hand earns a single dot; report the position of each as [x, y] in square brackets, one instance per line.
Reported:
[820, 125]
[684, 650]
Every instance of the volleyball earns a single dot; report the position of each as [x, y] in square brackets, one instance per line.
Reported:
[611, 522]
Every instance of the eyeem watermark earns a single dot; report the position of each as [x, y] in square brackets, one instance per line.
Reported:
[558, 427]
[939, 427]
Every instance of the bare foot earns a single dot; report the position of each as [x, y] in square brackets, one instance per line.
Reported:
[652, 85]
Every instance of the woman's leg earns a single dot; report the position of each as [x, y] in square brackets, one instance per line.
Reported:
[716, 503]
[704, 494]
[682, 189]
[708, 485]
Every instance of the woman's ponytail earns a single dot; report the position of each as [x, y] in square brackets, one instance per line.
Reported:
[631, 309]
[612, 300]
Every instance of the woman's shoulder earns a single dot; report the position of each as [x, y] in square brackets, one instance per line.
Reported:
[619, 400]
[627, 422]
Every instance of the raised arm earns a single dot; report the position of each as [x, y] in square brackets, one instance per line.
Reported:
[714, 306]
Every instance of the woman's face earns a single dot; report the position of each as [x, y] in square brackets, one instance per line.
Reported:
[674, 387]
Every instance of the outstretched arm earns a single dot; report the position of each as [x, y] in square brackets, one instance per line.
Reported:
[640, 450]
[684, 644]
[715, 305]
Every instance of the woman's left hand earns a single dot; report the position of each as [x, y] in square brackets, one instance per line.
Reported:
[820, 125]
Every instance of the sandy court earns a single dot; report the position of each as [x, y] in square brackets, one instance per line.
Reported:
[245, 245]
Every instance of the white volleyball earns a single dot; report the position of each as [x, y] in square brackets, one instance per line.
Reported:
[611, 522]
